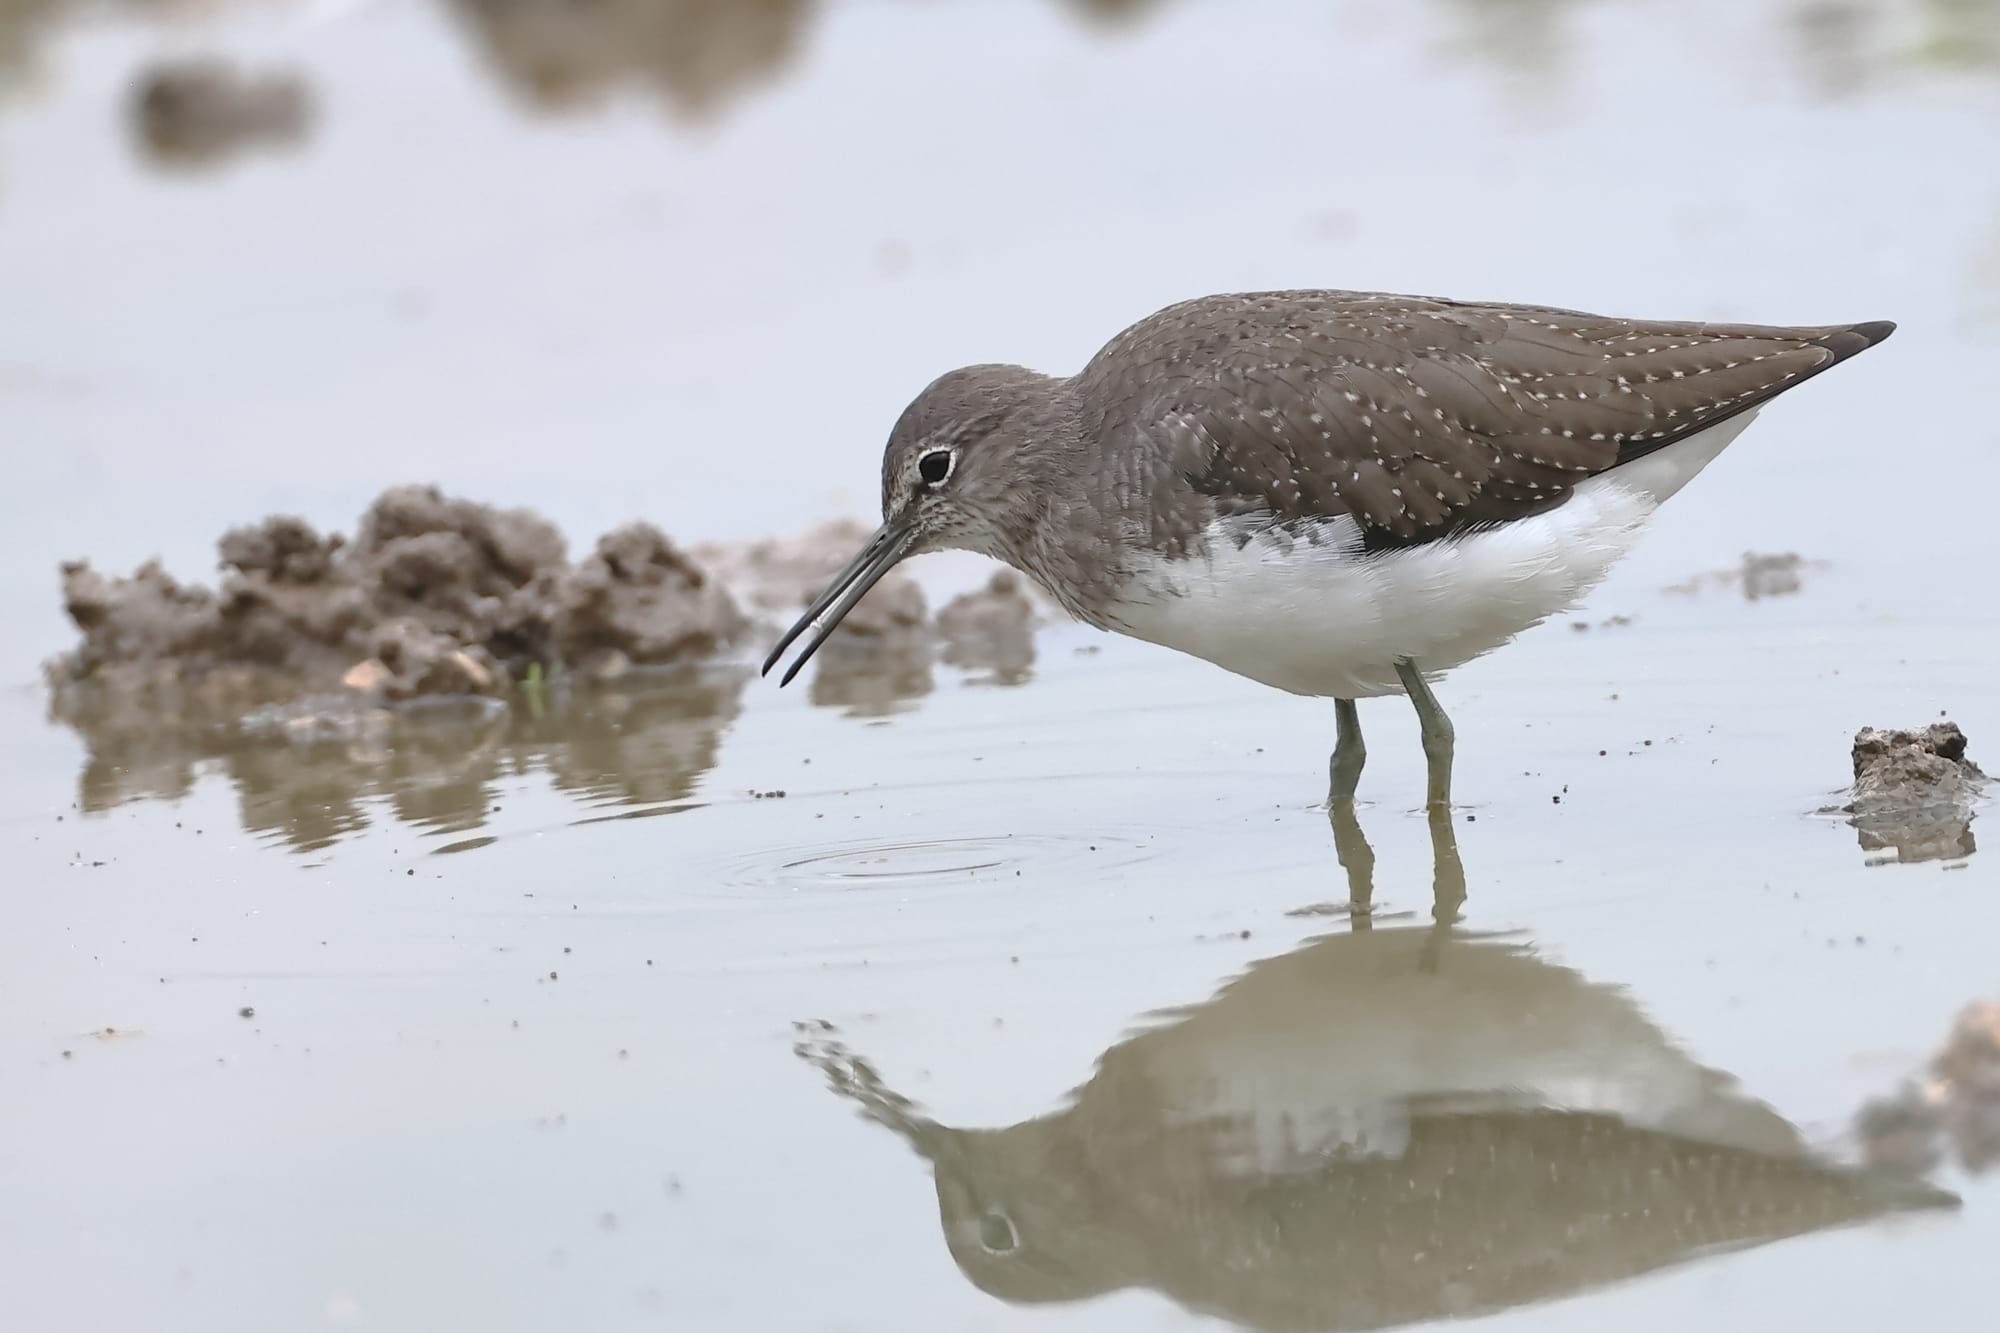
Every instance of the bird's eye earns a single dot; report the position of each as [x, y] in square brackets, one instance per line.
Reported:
[935, 466]
[997, 1234]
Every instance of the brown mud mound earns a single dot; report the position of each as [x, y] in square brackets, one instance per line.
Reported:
[1914, 792]
[638, 600]
[466, 570]
[435, 595]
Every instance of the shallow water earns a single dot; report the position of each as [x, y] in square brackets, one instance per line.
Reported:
[436, 1024]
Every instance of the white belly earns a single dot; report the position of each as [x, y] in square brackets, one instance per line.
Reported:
[1327, 619]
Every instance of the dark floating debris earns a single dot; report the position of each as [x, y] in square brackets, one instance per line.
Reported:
[1914, 792]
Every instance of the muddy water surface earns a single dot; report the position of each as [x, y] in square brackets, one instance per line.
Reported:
[911, 999]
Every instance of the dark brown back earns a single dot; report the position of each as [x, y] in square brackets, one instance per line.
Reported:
[1420, 418]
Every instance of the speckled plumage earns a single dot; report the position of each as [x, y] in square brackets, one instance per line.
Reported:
[1268, 416]
[1417, 417]
[1318, 489]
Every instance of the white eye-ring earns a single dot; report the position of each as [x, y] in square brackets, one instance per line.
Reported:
[936, 465]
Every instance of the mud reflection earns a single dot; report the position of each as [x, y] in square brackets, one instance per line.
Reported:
[1832, 42]
[698, 55]
[21, 25]
[310, 773]
[991, 629]
[1110, 13]
[872, 676]
[1959, 32]
[1531, 41]
[198, 113]
[1382, 1127]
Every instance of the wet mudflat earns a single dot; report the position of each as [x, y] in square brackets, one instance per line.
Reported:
[925, 995]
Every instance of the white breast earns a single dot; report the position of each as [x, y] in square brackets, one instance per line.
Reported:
[1324, 618]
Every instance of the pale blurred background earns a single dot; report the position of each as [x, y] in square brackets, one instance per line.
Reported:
[490, 1023]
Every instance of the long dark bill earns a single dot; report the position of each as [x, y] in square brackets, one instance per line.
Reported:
[889, 544]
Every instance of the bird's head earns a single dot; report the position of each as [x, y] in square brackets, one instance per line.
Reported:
[953, 478]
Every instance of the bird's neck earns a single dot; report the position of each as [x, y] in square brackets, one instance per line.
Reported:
[1052, 534]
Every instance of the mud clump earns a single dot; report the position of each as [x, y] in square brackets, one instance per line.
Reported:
[469, 572]
[638, 600]
[991, 629]
[285, 550]
[434, 596]
[1952, 1108]
[199, 112]
[1914, 792]
[412, 660]
[149, 615]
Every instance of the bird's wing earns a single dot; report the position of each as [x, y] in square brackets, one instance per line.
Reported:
[1422, 418]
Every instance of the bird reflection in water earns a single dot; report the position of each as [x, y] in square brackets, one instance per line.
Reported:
[1384, 1126]
[1357, 858]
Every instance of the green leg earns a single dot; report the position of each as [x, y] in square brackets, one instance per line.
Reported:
[1437, 734]
[1349, 754]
